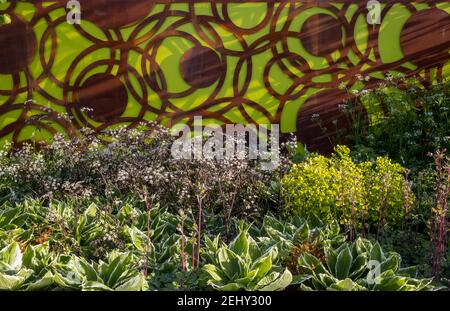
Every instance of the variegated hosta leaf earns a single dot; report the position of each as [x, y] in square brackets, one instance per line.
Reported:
[215, 273]
[346, 285]
[275, 281]
[135, 283]
[343, 271]
[229, 263]
[240, 244]
[14, 281]
[42, 282]
[240, 265]
[263, 265]
[11, 257]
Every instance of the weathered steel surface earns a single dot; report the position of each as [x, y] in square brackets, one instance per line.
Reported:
[134, 61]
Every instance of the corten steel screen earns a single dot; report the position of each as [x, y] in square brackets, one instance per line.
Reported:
[135, 61]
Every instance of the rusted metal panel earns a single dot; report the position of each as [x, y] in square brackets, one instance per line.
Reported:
[313, 45]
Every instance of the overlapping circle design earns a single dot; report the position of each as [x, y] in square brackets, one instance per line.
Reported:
[96, 91]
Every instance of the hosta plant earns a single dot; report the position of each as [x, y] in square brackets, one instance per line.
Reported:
[297, 232]
[358, 266]
[134, 223]
[83, 228]
[162, 257]
[30, 270]
[160, 246]
[68, 225]
[22, 222]
[244, 265]
[117, 274]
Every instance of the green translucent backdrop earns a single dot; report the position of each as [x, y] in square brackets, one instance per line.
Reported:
[69, 43]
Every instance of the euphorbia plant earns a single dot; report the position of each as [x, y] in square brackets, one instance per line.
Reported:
[359, 195]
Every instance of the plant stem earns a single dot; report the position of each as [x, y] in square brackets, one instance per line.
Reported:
[183, 258]
[200, 201]
[148, 206]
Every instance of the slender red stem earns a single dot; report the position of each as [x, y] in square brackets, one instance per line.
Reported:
[149, 208]
[183, 263]
[199, 231]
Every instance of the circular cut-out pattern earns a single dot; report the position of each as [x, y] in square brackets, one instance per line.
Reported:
[201, 67]
[17, 46]
[234, 74]
[112, 14]
[103, 97]
[426, 36]
[321, 34]
[323, 112]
